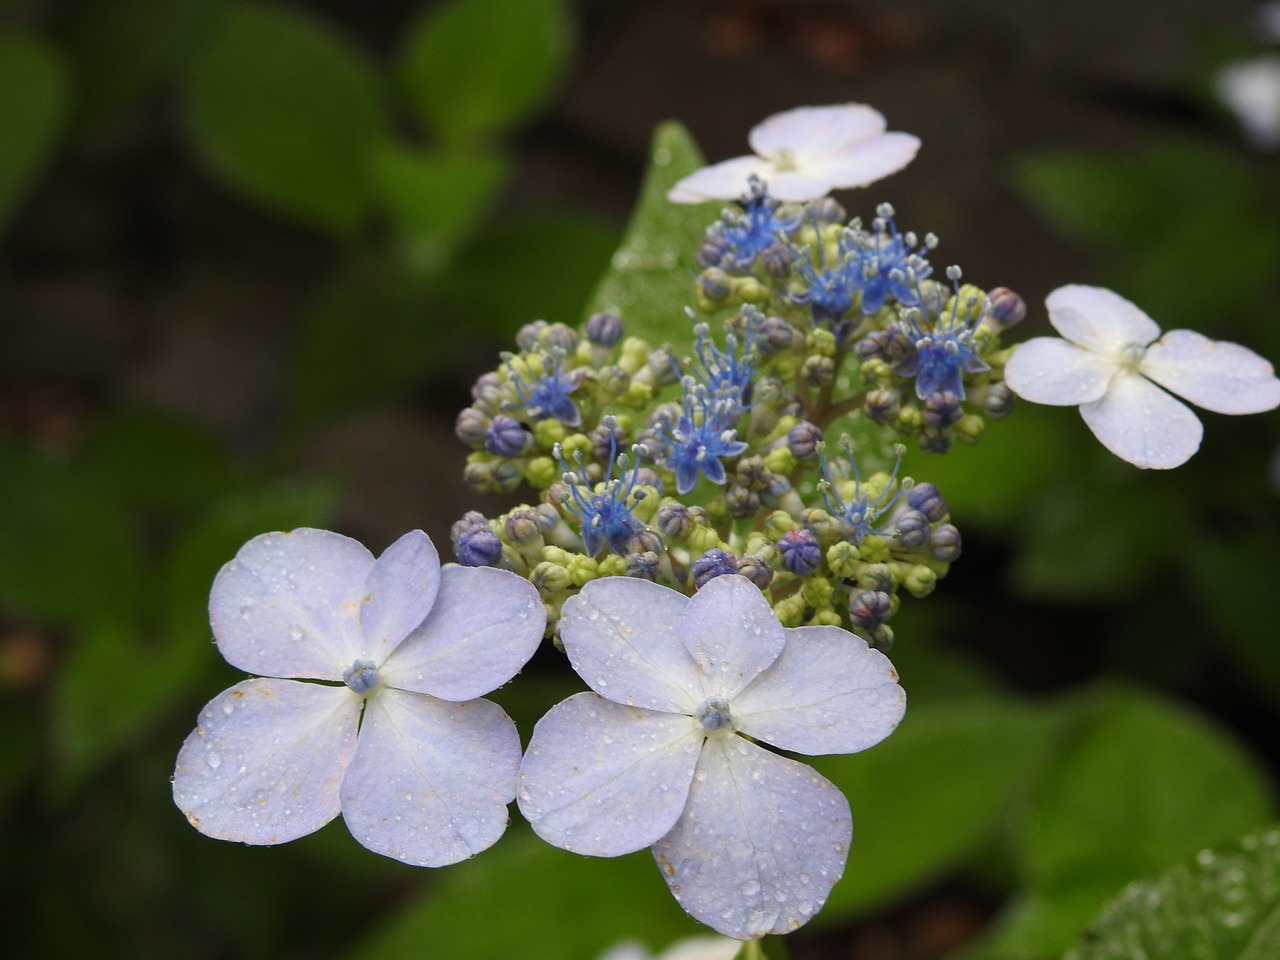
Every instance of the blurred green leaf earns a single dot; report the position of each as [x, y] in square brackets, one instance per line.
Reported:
[34, 91]
[527, 898]
[1090, 196]
[938, 789]
[285, 110]
[475, 67]
[70, 551]
[1144, 784]
[648, 282]
[1223, 905]
[123, 49]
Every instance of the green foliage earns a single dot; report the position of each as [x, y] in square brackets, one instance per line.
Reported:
[475, 67]
[287, 111]
[1221, 905]
[550, 903]
[34, 90]
[648, 278]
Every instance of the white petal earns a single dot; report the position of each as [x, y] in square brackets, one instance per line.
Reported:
[1139, 422]
[398, 593]
[732, 633]
[265, 763]
[828, 693]
[621, 635]
[431, 780]
[1251, 89]
[798, 186]
[863, 163]
[762, 841]
[485, 625]
[288, 605]
[603, 779]
[727, 180]
[1053, 371]
[1215, 374]
[812, 133]
[1099, 319]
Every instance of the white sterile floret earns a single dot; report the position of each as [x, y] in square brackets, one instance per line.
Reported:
[804, 154]
[1111, 362]
[420, 769]
[657, 754]
[1251, 89]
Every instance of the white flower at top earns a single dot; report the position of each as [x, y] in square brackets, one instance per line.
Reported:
[804, 154]
[1251, 90]
[420, 769]
[657, 754]
[1113, 366]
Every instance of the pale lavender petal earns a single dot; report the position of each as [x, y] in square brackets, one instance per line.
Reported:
[604, 779]
[863, 163]
[485, 625]
[431, 780]
[621, 635]
[732, 633]
[288, 605]
[812, 133]
[1215, 374]
[1053, 371]
[398, 593]
[762, 841]
[1099, 319]
[828, 693]
[265, 763]
[798, 186]
[1139, 422]
[727, 180]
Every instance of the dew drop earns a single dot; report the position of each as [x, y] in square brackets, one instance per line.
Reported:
[296, 632]
[750, 888]
[215, 761]
[228, 709]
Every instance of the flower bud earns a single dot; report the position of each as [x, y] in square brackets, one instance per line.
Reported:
[800, 551]
[604, 329]
[803, 439]
[1006, 309]
[477, 546]
[756, 570]
[912, 530]
[471, 427]
[522, 526]
[869, 608]
[558, 336]
[926, 498]
[506, 437]
[550, 579]
[776, 260]
[714, 563]
[946, 543]
[527, 336]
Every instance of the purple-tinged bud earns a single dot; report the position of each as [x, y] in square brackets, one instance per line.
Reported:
[522, 526]
[472, 518]
[775, 490]
[935, 439]
[613, 381]
[913, 530]
[505, 476]
[800, 551]
[776, 335]
[527, 336]
[548, 517]
[818, 371]
[803, 440]
[604, 329]
[645, 540]
[558, 336]
[741, 502]
[874, 346]
[712, 250]
[506, 437]
[1007, 308]
[829, 210]
[926, 498]
[477, 546]
[485, 385]
[663, 365]
[777, 259]
[606, 440]
[946, 543]
[869, 608]
[882, 406]
[751, 472]
[756, 570]
[642, 566]
[649, 478]
[673, 521]
[471, 427]
[941, 409]
[715, 283]
[714, 563]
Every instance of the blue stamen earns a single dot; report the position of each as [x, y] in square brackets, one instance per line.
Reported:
[860, 512]
[607, 516]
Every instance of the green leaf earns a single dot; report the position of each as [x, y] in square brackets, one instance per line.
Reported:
[1091, 197]
[1222, 905]
[283, 109]
[34, 91]
[1144, 784]
[648, 283]
[931, 795]
[527, 898]
[476, 67]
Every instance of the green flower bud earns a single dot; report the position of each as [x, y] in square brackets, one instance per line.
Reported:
[582, 570]
[969, 428]
[638, 395]
[876, 372]
[542, 472]
[557, 556]
[549, 432]
[635, 352]
[778, 523]
[817, 592]
[919, 580]
[825, 618]
[576, 443]
[612, 566]
[790, 610]
[750, 290]
[878, 576]
[702, 539]
[821, 341]
[780, 460]
[550, 579]
[844, 559]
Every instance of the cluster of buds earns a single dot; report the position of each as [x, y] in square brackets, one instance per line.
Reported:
[681, 469]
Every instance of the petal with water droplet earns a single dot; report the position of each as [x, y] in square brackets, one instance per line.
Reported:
[398, 593]
[1139, 422]
[732, 634]
[1099, 319]
[605, 779]
[1052, 371]
[265, 763]
[762, 841]
[1214, 374]
[431, 780]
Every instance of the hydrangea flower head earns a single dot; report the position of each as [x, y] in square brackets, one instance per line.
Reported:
[663, 751]
[804, 154]
[420, 769]
[1113, 364]
[607, 510]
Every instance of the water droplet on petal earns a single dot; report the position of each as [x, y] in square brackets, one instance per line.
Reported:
[215, 761]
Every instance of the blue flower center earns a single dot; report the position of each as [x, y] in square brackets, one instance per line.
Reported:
[714, 715]
[361, 676]
[1131, 356]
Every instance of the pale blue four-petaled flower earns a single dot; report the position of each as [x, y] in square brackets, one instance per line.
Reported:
[657, 753]
[420, 768]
